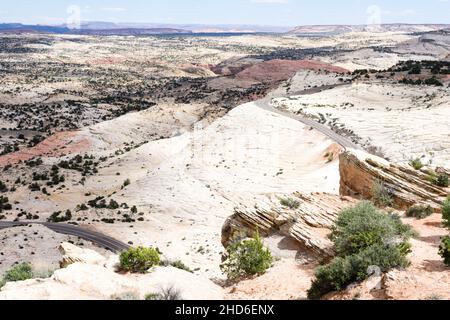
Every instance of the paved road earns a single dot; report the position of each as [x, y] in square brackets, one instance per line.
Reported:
[117, 246]
[67, 229]
[344, 142]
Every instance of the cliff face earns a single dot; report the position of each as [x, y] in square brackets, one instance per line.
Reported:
[360, 171]
[309, 223]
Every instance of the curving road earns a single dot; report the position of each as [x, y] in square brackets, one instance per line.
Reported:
[344, 142]
[117, 246]
[71, 230]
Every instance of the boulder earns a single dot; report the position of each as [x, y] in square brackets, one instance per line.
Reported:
[360, 171]
[309, 224]
[72, 254]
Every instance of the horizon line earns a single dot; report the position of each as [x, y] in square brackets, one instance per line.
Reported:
[226, 24]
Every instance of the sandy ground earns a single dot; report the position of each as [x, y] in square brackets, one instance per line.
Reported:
[287, 280]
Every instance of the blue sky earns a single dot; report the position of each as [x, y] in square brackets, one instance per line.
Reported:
[262, 12]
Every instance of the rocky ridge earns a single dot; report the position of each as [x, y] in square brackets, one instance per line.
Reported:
[360, 171]
[308, 222]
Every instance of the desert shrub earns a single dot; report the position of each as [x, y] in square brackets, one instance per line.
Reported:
[2, 283]
[57, 217]
[176, 264]
[433, 82]
[419, 212]
[342, 271]
[126, 296]
[246, 258]
[363, 237]
[442, 180]
[19, 272]
[3, 187]
[139, 260]
[290, 203]
[126, 183]
[416, 164]
[152, 297]
[446, 212]
[4, 204]
[434, 297]
[167, 294]
[382, 196]
[362, 226]
[331, 277]
[82, 207]
[444, 250]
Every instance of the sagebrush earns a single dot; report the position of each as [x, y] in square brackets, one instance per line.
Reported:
[363, 237]
[246, 258]
[139, 260]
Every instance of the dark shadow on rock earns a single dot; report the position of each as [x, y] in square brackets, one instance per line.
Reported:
[289, 243]
[435, 240]
[434, 224]
[434, 266]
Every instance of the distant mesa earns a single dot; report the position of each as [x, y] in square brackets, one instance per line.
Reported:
[130, 31]
[110, 28]
[395, 27]
[22, 28]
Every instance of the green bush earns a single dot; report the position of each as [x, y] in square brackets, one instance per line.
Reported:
[179, 265]
[363, 237]
[4, 204]
[342, 271]
[444, 250]
[126, 296]
[362, 226]
[442, 180]
[446, 212]
[20, 272]
[290, 203]
[382, 197]
[165, 294]
[416, 164]
[331, 277]
[139, 260]
[152, 297]
[246, 258]
[57, 217]
[419, 212]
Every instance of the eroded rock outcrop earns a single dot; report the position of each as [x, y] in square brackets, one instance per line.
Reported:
[309, 223]
[360, 171]
[73, 254]
[89, 276]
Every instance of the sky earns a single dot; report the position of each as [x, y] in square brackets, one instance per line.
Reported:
[254, 12]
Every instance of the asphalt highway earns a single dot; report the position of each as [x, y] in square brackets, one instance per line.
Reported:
[344, 142]
[67, 229]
